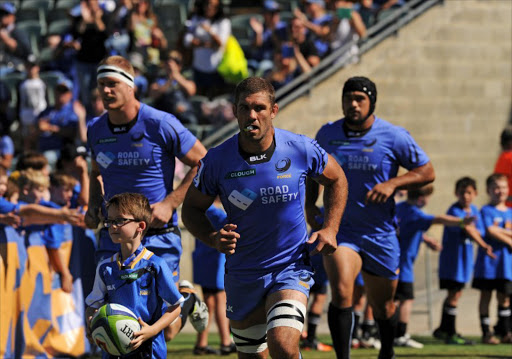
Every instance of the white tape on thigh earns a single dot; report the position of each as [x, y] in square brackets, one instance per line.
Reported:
[250, 340]
[286, 313]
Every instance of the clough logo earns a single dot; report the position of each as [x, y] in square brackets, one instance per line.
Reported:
[283, 165]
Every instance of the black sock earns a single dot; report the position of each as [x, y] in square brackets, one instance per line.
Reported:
[187, 308]
[356, 332]
[401, 329]
[313, 321]
[503, 326]
[448, 319]
[369, 329]
[340, 324]
[484, 324]
[387, 329]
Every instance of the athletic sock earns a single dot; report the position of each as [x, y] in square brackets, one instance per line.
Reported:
[387, 330]
[341, 324]
[401, 329]
[187, 307]
[448, 319]
[357, 325]
[503, 326]
[484, 324]
[313, 321]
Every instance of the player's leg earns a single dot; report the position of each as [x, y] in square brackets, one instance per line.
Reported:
[381, 292]
[342, 268]
[483, 309]
[358, 305]
[313, 318]
[405, 297]
[202, 347]
[250, 334]
[504, 324]
[226, 344]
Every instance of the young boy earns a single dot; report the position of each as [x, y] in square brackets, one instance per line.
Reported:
[412, 223]
[495, 274]
[153, 295]
[456, 258]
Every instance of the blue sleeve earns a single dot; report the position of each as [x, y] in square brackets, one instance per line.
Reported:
[316, 156]
[178, 139]
[206, 179]
[217, 217]
[423, 220]
[6, 146]
[165, 284]
[52, 236]
[7, 207]
[407, 151]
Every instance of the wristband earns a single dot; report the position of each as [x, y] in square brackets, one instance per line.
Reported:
[462, 224]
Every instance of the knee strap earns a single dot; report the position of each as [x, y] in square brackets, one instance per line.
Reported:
[250, 340]
[287, 313]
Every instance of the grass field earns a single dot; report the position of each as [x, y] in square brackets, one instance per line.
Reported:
[182, 345]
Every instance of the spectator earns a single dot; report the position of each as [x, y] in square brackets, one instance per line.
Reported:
[495, 274]
[348, 28]
[306, 45]
[6, 142]
[207, 33]
[141, 82]
[73, 162]
[318, 22]
[90, 32]
[504, 163]
[171, 92]
[14, 43]
[288, 64]
[374, 10]
[32, 102]
[148, 38]
[118, 42]
[58, 125]
[267, 37]
[456, 259]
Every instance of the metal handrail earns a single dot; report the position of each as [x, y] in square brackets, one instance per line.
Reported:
[336, 60]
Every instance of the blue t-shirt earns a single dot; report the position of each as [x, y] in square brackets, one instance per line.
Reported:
[412, 222]
[456, 258]
[265, 200]
[367, 160]
[143, 283]
[501, 267]
[64, 117]
[7, 207]
[142, 159]
[6, 146]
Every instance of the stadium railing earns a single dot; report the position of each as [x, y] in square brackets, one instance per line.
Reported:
[303, 84]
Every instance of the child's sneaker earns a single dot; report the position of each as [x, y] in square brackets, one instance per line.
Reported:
[227, 349]
[440, 334]
[457, 339]
[490, 339]
[507, 339]
[199, 316]
[407, 341]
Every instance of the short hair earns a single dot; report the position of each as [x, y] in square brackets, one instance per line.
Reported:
[118, 61]
[134, 204]
[252, 85]
[465, 182]
[31, 159]
[32, 178]
[495, 177]
[506, 137]
[62, 180]
[416, 193]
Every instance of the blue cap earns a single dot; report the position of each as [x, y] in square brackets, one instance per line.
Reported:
[271, 5]
[8, 8]
[65, 83]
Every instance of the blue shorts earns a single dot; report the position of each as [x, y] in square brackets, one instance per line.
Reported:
[380, 253]
[208, 269]
[246, 292]
[320, 276]
[166, 246]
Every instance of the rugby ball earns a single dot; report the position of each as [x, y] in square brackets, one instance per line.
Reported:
[113, 327]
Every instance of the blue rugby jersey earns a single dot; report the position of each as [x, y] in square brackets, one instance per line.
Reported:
[501, 267]
[141, 160]
[265, 200]
[456, 257]
[412, 222]
[367, 160]
[143, 283]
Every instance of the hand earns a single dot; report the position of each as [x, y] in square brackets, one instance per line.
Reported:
[380, 193]
[92, 218]
[489, 252]
[89, 313]
[225, 239]
[161, 214]
[80, 164]
[327, 242]
[256, 26]
[312, 213]
[468, 220]
[66, 282]
[10, 219]
[205, 27]
[85, 11]
[300, 15]
[72, 216]
[146, 332]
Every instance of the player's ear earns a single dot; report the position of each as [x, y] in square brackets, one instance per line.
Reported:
[275, 108]
[142, 226]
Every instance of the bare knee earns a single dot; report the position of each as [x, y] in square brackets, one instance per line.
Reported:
[384, 310]
[281, 345]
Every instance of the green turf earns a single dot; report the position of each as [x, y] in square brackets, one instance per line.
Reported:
[181, 347]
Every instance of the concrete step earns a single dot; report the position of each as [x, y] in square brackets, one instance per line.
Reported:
[468, 32]
[467, 51]
[494, 11]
